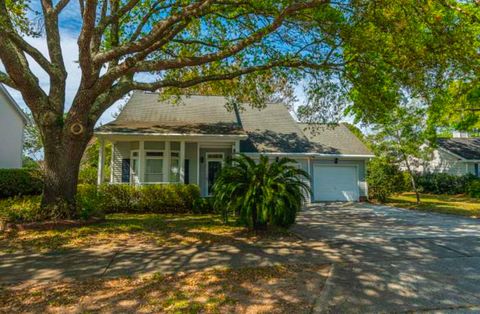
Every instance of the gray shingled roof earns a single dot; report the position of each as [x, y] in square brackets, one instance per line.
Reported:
[468, 148]
[334, 139]
[145, 113]
[271, 129]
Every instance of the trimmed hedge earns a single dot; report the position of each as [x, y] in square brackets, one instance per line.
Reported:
[443, 183]
[93, 201]
[18, 182]
[164, 198]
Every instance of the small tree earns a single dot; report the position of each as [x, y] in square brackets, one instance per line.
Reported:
[384, 179]
[402, 138]
[263, 193]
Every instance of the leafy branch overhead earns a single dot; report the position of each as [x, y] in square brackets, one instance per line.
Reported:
[184, 43]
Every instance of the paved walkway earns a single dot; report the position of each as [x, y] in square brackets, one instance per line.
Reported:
[395, 260]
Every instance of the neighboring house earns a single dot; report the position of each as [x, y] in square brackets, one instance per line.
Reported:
[456, 156]
[12, 123]
[158, 142]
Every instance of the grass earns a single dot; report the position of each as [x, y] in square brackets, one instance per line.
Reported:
[445, 204]
[132, 230]
[275, 289]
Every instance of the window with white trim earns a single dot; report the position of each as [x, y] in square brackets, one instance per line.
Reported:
[154, 166]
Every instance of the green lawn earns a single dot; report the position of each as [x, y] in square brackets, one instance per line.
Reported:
[132, 230]
[445, 204]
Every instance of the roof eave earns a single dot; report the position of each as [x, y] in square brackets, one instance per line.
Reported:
[232, 136]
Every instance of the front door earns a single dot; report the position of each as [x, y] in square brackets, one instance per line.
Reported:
[214, 165]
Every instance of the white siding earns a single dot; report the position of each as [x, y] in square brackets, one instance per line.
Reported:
[447, 163]
[11, 135]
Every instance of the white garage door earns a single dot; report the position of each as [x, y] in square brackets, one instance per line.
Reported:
[335, 183]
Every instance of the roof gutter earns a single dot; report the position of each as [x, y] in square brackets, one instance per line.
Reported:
[312, 155]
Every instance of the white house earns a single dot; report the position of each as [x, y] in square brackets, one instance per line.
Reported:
[459, 155]
[158, 142]
[12, 123]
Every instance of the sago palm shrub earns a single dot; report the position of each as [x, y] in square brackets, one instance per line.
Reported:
[263, 193]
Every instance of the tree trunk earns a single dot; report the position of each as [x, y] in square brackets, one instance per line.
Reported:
[414, 186]
[63, 153]
[412, 178]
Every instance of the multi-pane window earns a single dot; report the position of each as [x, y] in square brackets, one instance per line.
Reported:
[154, 166]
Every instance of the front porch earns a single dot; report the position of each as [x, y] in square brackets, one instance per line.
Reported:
[162, 160]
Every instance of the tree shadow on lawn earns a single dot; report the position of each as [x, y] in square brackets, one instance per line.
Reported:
[275, 289]
[121, 230]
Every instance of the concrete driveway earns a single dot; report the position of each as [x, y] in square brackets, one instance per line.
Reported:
[394, 260]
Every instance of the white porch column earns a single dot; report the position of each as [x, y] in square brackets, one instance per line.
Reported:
[101, 161]
[112, 162]
[167, 162]
[198, 164]
[181, 166]
[237, 147]
[141, 162]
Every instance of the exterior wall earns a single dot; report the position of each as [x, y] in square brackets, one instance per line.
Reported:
[191, 156]
[447, 163]
[122, 150]
[471, 168]
[11, 135]
[360, 164]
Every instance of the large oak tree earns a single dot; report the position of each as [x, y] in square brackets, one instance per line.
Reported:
[246, 49]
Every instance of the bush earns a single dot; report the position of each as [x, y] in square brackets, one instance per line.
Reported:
[473, 188]
[87, 175]
[443, 183]
[204, 205]
[171, 198]
[118, 198]
[93, 201]
[88, 202]
[263, 193]
[21, 209]
[165, 198]
[385, 179]
[18, 182]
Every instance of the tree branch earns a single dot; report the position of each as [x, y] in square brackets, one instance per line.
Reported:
[5, 79]
[159, 65]
[226, 76]
[84, 41]
[59, 73]
[31, 51]
[60, 6]
[155, 34]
